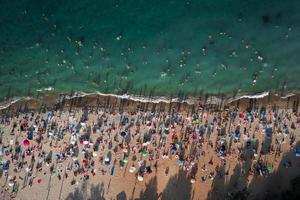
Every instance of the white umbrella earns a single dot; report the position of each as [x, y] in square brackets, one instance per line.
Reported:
[132, 169]
[140, 178]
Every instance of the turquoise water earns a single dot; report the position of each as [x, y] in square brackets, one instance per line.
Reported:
[142, 46]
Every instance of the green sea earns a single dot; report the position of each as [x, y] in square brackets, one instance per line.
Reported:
[142, 47]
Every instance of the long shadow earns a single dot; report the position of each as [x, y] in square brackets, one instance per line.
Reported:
[122, 196]
[282, 184]
[77, 195]
[218, 185]
[234, 178]
[96, 193]
[279, 183]
[151, 190]
[178, 187]
[236, 187]
[293, 193]
[266, 147]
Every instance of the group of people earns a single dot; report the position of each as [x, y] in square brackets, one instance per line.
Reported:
[89, 142]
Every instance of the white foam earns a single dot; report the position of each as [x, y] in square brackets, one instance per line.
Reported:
[142, 99]
[13, 101]
[256, 96]
[288, 95]
[45, 89]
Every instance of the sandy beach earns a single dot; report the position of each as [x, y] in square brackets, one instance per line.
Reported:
[208, 154]
[150, 100]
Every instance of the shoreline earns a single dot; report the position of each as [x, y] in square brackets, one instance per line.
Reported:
[52, 100]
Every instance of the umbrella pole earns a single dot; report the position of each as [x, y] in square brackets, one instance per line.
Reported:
[49, 186]
[62, 183]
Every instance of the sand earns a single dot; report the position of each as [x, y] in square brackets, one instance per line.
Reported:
[157, 185]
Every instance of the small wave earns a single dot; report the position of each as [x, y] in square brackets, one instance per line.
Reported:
[255, 96]
[137, 98]
[288, 95]
[48, 89]
[5, 105]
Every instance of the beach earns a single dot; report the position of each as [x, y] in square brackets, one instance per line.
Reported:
[150, 155]
[220, 47]
[136, 99]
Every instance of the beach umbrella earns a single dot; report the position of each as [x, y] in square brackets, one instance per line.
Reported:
[85, 142]
[140, 178]
[123, 133]
[134, 158]
[270, 168]
[196, 121]
[297, 151]
[93, 173]
[107, 161]
[26, 143]
[180, 162]
[145, 144]
[75, 158]
[73, 141]
[11, 183]
[233, 115]
[83, 151]
[174, 149]
[112, 171]
[144, 153]
[125, 150]
[249, 116]
[141, 163]
[269, 132]
[241, 116]
[132, 169]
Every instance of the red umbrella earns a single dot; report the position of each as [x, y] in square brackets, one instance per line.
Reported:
[26, 143]
[84, 162]
[241, 115]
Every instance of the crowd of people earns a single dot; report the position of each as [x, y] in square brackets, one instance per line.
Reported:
[90, 142]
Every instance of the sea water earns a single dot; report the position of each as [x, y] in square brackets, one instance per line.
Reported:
[143, 47]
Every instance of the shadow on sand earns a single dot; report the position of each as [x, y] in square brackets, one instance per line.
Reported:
[177, 188]
[282, 184]
[96, 193]
[179, 182]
